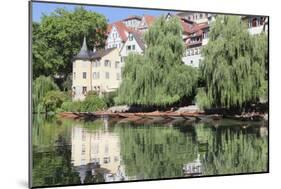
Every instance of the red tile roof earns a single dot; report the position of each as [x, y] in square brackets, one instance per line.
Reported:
[186, 25]
[121, 29]
[149, 19]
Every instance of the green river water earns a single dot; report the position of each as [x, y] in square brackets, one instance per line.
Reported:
[68, 152]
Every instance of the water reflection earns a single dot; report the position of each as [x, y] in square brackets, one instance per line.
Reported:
[97, 153]
[73, 152]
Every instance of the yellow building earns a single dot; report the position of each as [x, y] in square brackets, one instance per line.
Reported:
[91, 151]
[98, 71]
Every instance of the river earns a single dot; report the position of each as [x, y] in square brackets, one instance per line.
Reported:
[69, 152]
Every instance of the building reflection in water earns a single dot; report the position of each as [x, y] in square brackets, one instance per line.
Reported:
[97, 152]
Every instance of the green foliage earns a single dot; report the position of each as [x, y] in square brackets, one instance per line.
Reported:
[40, 87]
[58, 37]
[155, 151]
[71, 106]
[51, 156]
[109, 98]
[232, 150]
[158, 77]
[202, 99]
[67, 84]
[92, 103]
[234, 63]
[53, 100]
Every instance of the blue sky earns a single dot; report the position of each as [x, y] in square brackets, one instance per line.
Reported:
[111, 13]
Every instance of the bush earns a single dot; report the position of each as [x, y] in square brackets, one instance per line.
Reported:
[53, 100]
[69, 106]
[109, 98]
[93, 103]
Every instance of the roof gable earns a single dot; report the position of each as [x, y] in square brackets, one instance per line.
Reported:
[121, 28]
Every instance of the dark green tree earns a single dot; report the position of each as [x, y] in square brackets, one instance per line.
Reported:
[53, 100]
[58, 37]
[234, 65]
[159, 77]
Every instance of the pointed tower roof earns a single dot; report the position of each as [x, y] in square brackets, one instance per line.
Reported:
[84, 53]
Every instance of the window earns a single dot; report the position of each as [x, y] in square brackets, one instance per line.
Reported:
[128, 47]
[107, 63]
[83, 149]
[117, 64]
[130, 37]
[192, 52]
[205, 35]
[84, 90]
[74, 75]
[201, 16]
[107, 75]
[133, 47]
[95, 160]
[118, 76]
[191, 62]
[96, 75]
[106, 160]
[188, 52]
[84, 75]
[196, 51]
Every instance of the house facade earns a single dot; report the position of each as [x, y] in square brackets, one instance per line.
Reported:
[117, 35]
[196, 17]
[98, 71]
[146, 22]
[134, 44]
[256, 24]
[132, 22]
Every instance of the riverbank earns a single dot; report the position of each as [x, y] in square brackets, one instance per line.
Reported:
[163, 116]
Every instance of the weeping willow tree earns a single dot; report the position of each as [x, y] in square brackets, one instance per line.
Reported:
[40, 87]
[158, 77]
[234, 64]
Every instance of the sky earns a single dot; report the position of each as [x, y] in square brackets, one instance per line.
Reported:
[111, 13]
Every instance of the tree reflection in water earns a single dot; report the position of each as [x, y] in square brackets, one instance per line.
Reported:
[73, 152]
